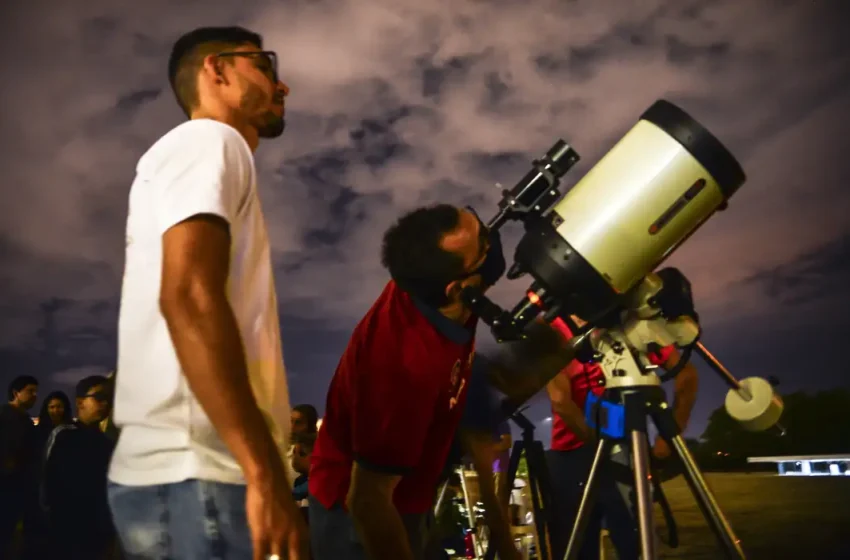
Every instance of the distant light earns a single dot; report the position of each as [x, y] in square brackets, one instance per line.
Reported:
[546, 420]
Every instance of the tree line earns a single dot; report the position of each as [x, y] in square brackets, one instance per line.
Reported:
[815, 424]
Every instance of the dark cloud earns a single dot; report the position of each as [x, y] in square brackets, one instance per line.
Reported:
[132, 101]
[397, 103]
[819, 275]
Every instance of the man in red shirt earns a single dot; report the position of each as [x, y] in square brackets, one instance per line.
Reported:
[574, 445]
[398, 395]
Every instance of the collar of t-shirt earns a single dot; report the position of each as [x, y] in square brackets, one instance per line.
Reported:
[454, 331]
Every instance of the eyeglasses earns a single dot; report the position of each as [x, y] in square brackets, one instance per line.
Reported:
[266, 61]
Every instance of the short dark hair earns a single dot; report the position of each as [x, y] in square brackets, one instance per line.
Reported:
[411, 252]
[85, 385]
[19, 383]
[310, 414]
[188, 53]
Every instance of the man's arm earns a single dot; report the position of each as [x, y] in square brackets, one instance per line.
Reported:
[393, 404]
[685, 388]
[193, 300]
[376, 519]
[561, 395]
[481, 450]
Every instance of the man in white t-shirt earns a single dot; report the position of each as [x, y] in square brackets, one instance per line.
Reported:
[201, 395]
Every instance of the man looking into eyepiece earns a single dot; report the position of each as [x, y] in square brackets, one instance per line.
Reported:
[574, 444]
[398, 394]
[201, 392]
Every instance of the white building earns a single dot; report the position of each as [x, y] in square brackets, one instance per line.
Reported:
[809, 465]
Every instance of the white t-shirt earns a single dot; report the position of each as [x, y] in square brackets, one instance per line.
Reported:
[199, 167]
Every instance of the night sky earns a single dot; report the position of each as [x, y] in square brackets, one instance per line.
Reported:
[399, 103]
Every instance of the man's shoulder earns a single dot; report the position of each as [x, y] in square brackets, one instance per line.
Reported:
[60, 435]
[387, 319]
[63, 431]
[203, 130]
[9, 413]
[392, 336]
[197, 135]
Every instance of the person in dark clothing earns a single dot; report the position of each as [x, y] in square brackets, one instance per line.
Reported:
[16, 445]
[74, 481]
[108, 426]
[304, 419]
[301, 451]
[55, 411]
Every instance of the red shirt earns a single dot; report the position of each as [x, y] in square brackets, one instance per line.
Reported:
[395, 401]
[583, 379]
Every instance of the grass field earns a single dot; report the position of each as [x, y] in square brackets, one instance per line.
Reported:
[775, 517]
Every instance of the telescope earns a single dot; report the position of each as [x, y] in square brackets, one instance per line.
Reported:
[594, 254]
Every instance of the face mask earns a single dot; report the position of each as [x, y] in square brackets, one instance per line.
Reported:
[494, 264]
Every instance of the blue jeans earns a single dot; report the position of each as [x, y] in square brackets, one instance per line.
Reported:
[189, 520]
[333, 537]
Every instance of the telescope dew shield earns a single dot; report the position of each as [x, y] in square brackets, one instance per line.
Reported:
[660, 182]
[656, 186]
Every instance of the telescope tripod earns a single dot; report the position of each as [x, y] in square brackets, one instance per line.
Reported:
[539, 485]
[621, 415]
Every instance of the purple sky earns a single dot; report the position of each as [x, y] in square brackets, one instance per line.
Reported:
[396, 103]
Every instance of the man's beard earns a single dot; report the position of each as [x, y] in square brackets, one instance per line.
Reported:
[268, 125]
[271, 125]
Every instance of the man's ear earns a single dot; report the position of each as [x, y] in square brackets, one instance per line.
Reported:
[212, 69]
[453, 290]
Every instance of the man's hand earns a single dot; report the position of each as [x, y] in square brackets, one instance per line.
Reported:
[277, 527]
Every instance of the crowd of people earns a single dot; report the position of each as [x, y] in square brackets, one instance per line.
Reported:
[54, 476]
[210, 461]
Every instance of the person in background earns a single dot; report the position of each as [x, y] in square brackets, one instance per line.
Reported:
[55, 411]
[573, 447]
[17, 436]
[108, 425]
[73, 494]
[304, 419]
[303, 444]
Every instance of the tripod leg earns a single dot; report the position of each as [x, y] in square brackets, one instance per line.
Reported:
[540, 493]
[441, 495]
[585, 507]
[707, 502]
[645, 512]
